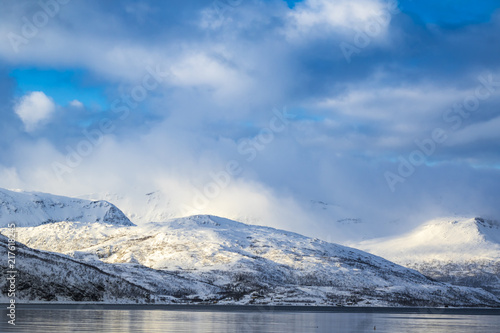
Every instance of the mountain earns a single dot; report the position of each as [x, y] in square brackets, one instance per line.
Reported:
[463, 251]
[46, 276]
[29, 209]
[211, 259]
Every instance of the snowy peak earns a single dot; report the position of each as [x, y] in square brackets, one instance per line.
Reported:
[462, 251]
[447, 239]
[30, 209]
[471, 233]
[208, 221]
[490, 229]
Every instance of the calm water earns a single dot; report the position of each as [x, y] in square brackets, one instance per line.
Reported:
[137, 319]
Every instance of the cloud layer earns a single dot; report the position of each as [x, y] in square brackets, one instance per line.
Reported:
[254, 110]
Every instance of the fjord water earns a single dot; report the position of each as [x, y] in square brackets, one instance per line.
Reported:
[136, 319]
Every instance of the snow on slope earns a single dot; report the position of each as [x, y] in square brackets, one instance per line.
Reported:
[32, 209]
[44, 276]
[447, 239]
[246, 263]
[464, 251]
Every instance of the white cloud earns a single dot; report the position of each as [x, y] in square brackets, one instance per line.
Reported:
[325, 15]
[378, 102]
[76, 103]
[385, 117]
[34, 108]
[198, 69]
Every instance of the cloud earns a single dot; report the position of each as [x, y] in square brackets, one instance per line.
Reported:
[193, 70]
[76, 104]
[230, 69]
[316, 17]
[477, 132]
[34, 109]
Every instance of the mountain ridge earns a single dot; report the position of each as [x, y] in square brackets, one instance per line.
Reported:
[28, 209]
[203, 258]
[211, 259]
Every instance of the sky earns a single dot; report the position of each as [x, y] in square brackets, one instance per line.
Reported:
[334, 119]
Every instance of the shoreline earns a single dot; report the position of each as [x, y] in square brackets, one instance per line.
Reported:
[260, 308]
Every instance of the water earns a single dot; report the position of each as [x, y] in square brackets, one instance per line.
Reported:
[127, 319]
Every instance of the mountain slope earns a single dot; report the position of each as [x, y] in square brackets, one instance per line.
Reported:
[464, 251]
[45, 276]
[27, 209]
[226, 261]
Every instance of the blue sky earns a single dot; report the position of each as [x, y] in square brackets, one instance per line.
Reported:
[450, 12]
[63, 86]
[385, 110]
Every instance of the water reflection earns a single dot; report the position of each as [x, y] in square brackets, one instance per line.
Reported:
[136, 320]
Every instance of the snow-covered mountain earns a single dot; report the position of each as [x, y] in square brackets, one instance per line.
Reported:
[464, 251]
[48, 276]
[27, 209]
[212, 259]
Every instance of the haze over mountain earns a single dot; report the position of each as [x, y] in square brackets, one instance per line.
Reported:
[157, 206]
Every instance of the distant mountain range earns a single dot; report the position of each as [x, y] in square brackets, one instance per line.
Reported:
[199, 259]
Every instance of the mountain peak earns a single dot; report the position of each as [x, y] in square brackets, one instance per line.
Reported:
[458, 239]
[30, 209]
[493, 224]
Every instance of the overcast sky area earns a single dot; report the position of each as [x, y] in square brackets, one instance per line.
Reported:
[295, 115]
